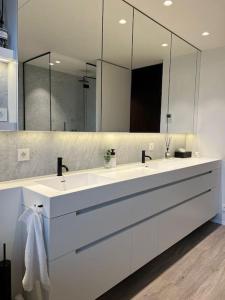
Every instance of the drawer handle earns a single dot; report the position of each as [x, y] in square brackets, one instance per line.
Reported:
[124, 198]
[92, 244]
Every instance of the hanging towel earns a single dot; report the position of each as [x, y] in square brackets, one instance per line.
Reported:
[19, 297]
[35, 254]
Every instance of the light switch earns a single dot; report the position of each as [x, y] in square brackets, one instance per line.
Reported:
[23, 154]
[3, 114]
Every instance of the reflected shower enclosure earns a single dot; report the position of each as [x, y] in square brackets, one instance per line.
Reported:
[59, 94]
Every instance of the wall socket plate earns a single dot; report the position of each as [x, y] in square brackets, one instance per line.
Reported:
[23, 154]
[3, 114]
[151, 146]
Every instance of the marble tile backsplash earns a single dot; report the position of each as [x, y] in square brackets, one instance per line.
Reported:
[79, 150]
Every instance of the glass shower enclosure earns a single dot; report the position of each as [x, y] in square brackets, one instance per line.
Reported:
[58, 94]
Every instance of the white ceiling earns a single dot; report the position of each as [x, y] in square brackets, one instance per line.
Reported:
[68, 65]
[189, 18]
[72, 29]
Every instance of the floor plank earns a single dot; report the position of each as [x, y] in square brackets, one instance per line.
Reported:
[193, 269]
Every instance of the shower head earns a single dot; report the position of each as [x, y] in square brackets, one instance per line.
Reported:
[85, 82]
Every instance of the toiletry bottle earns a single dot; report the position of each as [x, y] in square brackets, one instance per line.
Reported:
[113, 158]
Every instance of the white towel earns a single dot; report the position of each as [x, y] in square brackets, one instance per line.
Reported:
[35, 254]
[19, 297]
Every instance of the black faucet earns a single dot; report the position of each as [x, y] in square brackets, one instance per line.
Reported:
[144, 156]
[60, 167]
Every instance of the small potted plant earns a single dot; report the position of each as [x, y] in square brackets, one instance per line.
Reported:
[107, 159]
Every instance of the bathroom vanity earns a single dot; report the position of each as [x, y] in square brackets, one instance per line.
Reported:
[103, 225]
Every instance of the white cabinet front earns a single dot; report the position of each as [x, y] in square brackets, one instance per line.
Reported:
[92, 249]
[91, 272]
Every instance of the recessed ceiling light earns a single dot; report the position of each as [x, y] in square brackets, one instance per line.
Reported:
[168, 2]
[164, 45]
[51, 64]
[205, 33]
[58, 62]
[122, 21]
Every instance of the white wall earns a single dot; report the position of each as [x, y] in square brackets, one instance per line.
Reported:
[211, 113]
[116, 94]
[182, 93]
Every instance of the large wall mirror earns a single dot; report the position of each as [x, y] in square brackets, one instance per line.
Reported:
[150, 75]
[101, 65]
[116, 65]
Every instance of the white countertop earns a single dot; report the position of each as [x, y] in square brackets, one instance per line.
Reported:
[119, 174]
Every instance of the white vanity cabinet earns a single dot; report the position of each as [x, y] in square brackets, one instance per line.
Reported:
[90, 272]
[176, 223]
[144, 243]
[126, 224]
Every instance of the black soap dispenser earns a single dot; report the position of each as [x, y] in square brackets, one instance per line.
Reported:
[5, 277]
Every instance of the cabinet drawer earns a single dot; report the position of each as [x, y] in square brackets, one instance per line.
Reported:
[178, 222]
[93, 271]
[76, 230]
[144, 243]
[73, 231]
[153, 202]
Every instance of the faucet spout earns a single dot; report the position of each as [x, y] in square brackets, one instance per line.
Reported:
[60, 167]
[144, 156]
[65, 167]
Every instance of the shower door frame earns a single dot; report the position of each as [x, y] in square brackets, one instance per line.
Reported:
[50, 88]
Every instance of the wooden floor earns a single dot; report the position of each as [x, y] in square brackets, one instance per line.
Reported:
[193, 269]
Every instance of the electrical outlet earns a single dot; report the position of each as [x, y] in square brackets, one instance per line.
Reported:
[151, 146]
[23, 154]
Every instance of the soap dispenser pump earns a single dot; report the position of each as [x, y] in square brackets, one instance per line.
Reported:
[113, 158]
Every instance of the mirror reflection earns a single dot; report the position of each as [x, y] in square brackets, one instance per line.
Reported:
[68, 93]
[150, 75]
[117, 33]
[36, 88]
[104, 66]
[116, 66]
[183, 86]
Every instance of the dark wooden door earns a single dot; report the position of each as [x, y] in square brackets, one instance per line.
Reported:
[146, 94]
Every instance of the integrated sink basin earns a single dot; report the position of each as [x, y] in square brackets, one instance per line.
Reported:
[103, 177]
[70, 182]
